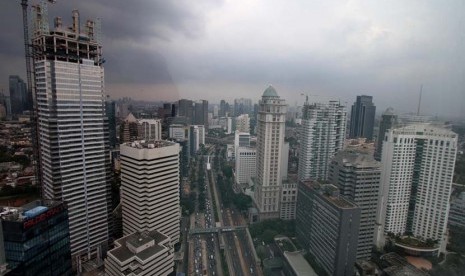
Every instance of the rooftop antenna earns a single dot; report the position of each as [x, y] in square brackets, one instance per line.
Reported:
[419, 100]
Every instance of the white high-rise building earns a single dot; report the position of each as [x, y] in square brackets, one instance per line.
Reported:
[73, 146]
[323, 134]
[197, 137]
[149, 129]
[416, 179]
[270, 138]
[179, 132]
[246, 165]
[150, 187]
[243, 123]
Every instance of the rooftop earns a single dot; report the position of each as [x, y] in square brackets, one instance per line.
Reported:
[270, 92]
[143, 144]
[123, 252]
[27, 211]
[298, 263]
[359, 158]
[330, 193]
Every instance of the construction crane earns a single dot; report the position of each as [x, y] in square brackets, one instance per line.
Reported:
[28, 55]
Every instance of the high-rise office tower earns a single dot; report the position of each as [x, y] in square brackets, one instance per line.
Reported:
[201, 113]
[358, 175]
[270, 139]
[388, 121]
[74, 154]
[129, 129]
[362, 118]
[416, 180]
[327, 226]
[150, 187]
[186, 109]
[18, 95]
[323, 134]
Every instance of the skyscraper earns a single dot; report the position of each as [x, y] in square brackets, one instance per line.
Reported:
[323, 134]
[18, 95]
[201, 113]
[74, 153]
[358, 175]
[186, 109]
[416, 180]
[150, 187]
[362, 118]
[270, 139]
[388, 120]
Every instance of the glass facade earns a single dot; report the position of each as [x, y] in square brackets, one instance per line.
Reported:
[39, 245]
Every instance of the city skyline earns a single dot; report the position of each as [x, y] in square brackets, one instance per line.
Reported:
[387, 50]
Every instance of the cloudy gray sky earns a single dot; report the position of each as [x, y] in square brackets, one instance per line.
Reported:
[213, 49]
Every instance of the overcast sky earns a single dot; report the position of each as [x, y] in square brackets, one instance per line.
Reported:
[212, 49]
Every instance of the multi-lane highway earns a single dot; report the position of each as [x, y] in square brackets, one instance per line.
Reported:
[205, 257]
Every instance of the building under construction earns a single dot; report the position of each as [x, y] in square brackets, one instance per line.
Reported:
[72, 128]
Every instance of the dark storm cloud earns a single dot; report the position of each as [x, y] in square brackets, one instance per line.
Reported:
[127, 27]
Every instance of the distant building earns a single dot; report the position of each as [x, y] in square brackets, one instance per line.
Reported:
[36, 238]
[243, 123]
[150, 187]
[270, 140]
[327, 226]
[226, 124]
[416, 180]
[197, 138]
[179, 131]
[186, 109]
[224, 110]
[141, 253]
[129, 129]
[18, 95]
[362, 118]
[201, 113]
[322, 135]
[149, 129]
[242, 106]
[388, 121]
[358, 176]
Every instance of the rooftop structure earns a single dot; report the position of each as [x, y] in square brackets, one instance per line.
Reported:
[141, 253]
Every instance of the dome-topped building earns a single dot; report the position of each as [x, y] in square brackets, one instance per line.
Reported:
[270, 92]
[270, 139]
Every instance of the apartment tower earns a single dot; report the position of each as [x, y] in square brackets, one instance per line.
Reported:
[323, 134]
[416, 180]
[73, 140]
[270, 139]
